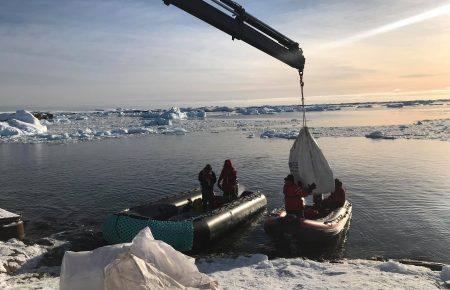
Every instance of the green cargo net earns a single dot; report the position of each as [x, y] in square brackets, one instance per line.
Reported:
[123, 228]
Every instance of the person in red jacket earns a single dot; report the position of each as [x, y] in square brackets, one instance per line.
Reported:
[228, 181]
[294, 194]
[337, 198]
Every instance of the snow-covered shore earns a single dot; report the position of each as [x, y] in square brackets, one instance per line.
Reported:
[21, 268]
[257, 272]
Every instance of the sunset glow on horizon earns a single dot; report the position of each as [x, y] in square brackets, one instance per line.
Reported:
[143, 53]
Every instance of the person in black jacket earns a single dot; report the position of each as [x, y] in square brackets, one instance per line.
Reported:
[207, 179]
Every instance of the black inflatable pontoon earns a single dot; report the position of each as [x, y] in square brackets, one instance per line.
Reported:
[180, 221]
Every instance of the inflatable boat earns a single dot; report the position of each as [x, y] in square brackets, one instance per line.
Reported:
[325, 225]
[180, 221]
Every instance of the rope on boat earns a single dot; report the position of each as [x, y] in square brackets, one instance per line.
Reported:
[302, 84]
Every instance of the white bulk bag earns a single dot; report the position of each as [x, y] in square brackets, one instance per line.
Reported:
[132, 273]
[308, 165]
[145, 261]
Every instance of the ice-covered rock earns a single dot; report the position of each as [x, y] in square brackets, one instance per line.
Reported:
[20, 123]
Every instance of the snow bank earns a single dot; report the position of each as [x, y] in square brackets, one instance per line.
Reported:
[14, 254]
[257, 272]
[20, 123]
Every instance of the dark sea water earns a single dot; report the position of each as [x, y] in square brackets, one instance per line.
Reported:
[400, 189]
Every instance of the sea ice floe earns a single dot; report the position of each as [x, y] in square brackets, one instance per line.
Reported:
[71, 126]
[426, 129]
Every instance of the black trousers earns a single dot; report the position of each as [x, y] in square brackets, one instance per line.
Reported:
[207, 196]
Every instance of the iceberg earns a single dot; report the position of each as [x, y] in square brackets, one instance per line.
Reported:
[20, 123]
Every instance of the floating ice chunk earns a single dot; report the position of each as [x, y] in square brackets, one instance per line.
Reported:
[279, 134]
[81, 118]
[266, 110]
[55, 137]
[196, 114]
[61, 120]
[174, 114]
[158, 122]
[119, 131]
[378, 135]
[151, 114]
[249, 111]
[315, 109]
[174, 131]
[102, 133]
[395, 105]
[366, 106]
[140, 130]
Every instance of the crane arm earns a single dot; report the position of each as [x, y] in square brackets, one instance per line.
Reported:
[242, 25]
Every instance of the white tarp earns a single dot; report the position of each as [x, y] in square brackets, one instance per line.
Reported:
[145, 263]
[308, 165]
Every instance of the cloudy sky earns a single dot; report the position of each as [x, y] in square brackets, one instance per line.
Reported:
[136, 53]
